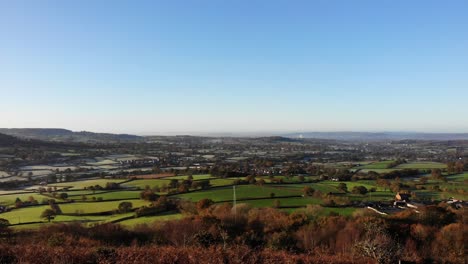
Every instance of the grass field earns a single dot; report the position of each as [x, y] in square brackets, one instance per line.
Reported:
[455, 187]
[284, 202]
[325, 211]
[74, 194]
[221, 182]
[293, 179]
[114, 195]
[87, 220]
[372, 196]
[151, 219]
[376, 165]
[323, 187]
[378, 170]
[147, 182]
[96, 207]
[7, 200]
[5, 192]
[422, 165]
[458, 177]
[242, 192]
[195, 177]
[79, 185]
[27, 214]
[347, 211]
[352, 184]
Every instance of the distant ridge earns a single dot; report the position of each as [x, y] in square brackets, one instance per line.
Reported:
[64, 135]
[379, 136]
[7, 140]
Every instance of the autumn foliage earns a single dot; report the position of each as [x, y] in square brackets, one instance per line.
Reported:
[219, 233]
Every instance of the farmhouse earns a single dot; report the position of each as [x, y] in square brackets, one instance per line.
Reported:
[402, 197]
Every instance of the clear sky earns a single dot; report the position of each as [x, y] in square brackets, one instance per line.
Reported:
[232, 66]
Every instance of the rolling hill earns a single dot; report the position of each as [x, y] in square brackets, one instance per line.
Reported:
[64, 135]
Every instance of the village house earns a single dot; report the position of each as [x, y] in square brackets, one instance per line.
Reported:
[402, 197]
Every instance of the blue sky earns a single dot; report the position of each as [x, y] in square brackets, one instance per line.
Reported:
[234, 66]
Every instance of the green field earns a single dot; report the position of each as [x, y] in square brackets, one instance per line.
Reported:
[8, 200]
[292, 179]
[27, 214]
[79, 185]
[195, 177]
[376, 165]
[462, 178]
[96, 207]
[76, 194]
[221, 182]
[242, 192]
[325, 211]
[284, 202]
[322, 187]
[151, 219]
[422, 165]
[33, 215]
[2, 192]
[455, 187]
[352, 184]
[347, 211]
[146, 182]
[113, 195]
[378, 170]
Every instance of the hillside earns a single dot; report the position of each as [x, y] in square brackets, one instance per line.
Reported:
[64, 135]
[6, 140]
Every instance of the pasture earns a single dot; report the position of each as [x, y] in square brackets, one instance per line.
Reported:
[195, 177]
[97, 207]
[80, 185]
[113, 195]
[422, 165]
[9, 199]
[148, 220]
[267, 195]
[376, 165]
[141, 184]
[242, 192]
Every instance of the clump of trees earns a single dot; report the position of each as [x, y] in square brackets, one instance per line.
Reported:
[359, 190]
[149, 195]
[162, 204]
[51, 212]
[455, 167]
[125, 207]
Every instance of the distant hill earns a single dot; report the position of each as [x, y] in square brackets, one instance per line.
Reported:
[276, 139]
[6, 140]
[64, 135]
[380, 136]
